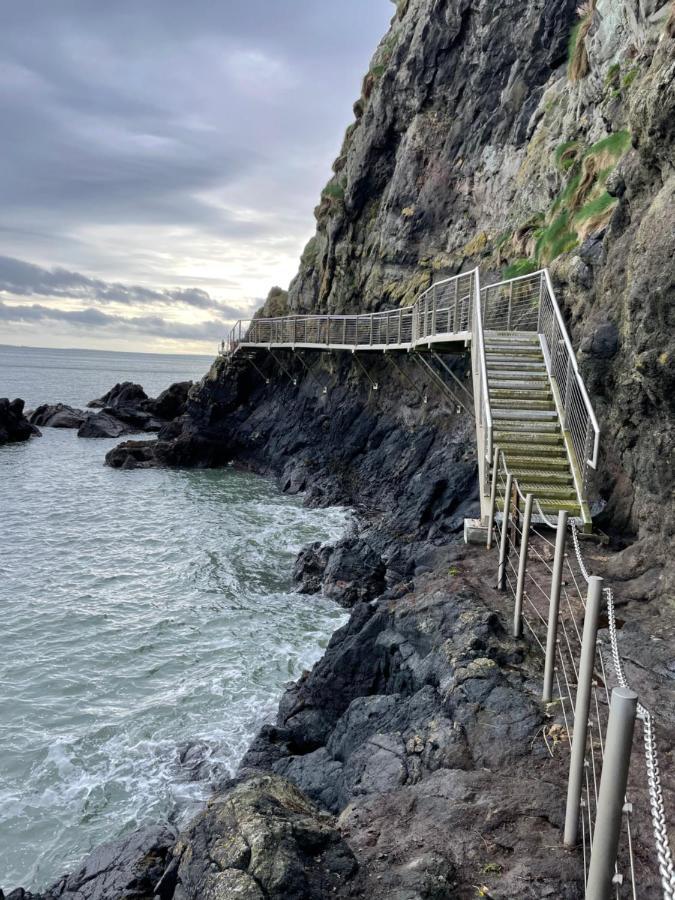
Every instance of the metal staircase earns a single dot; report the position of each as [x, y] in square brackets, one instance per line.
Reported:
[526, 422]
[529, 399]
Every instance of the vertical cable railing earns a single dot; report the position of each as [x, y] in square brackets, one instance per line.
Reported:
[559, 603]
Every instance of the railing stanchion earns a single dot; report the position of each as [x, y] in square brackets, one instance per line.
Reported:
[584, 682]
[554, 606]
[503, 546]
[493, 498]
[522, 567]
[612, 795]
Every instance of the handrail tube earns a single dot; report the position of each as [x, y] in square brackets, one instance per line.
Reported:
[572, 357]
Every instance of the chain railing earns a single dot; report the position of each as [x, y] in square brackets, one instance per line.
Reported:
[557, 599]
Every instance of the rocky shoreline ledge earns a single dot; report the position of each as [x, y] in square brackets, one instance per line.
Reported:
[410, 762]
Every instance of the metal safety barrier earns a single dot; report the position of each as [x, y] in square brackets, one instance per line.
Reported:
[560, 604]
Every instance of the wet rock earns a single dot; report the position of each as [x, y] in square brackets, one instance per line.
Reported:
[103, 425]
[130, 867]
[172, 402]
[354, 572]
[310, 567]
[14, 426]
[58, 415]
[125, 393]
[261, 838]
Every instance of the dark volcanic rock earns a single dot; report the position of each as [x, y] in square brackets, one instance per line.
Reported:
[14, 426]
[172, 402]
[125, 394]
[104, 425]
[130, 867]
[58, 416]
[262, 840]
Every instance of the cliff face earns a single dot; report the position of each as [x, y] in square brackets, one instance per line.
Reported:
[474, 145]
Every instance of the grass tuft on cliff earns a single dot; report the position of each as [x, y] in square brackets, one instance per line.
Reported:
[578, 65]
[519, 267]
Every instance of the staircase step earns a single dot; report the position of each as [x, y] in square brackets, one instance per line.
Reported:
[518, 394]
[547, 491]
[519, 407]
[552, 463]
[539, 476]
[517, 382]
[493, 356]
[528, 425]
[531, 441]
[550, 506]
[501, 410]
[519, 337]
[498, 366]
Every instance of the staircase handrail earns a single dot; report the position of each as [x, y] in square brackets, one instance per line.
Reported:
[572, 363]
[482, 400]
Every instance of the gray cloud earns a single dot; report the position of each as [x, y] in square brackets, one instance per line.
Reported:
[23, 279]
[211, 330]
[186, 130]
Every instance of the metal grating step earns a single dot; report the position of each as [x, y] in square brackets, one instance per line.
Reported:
[530, 441]
[516, 414]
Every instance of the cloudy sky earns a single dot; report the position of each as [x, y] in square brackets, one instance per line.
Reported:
[160, 160]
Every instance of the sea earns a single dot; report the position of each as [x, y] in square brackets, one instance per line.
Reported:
[148, 622]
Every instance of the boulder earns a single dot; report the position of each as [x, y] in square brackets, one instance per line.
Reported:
[14, 426]
[172, 402]
[124, 394]
[103, 425]
[57, 415]
[131, 867]
[262, 838]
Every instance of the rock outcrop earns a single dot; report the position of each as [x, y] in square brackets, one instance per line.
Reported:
[58, 415]
[130, 867]
[125, 409]
[14, 426]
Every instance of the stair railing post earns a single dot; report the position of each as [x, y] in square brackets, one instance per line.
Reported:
[328, 331]
[503, 546]
[554, 606]
[508, 317]
[584, 682]
[400, 322]
[455, 324]
[522, 567]
[612, 794]
[493, 499]
[433, 310]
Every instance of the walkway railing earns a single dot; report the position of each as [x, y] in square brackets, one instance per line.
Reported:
[481, 395]
[443, 312]
[528, 303]
[560, 604]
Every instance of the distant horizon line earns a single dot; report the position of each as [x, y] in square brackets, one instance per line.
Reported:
[94, 350]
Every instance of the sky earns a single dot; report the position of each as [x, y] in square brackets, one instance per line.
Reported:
[160, 160]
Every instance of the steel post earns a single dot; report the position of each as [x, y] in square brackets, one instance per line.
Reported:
[493, 499]
[584, 682]
[522, 567]
[554, 606]
[611, 798]
[503, 547]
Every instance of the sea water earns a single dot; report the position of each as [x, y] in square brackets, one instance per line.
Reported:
[142, 613]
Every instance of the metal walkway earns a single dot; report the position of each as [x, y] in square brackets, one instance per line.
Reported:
[529, 399]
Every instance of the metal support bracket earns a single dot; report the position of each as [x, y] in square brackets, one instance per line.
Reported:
[423, 397]
[262, 374]
[447, 368]
[441, 384]
[374, 385]
[283, 368]
[309, 370]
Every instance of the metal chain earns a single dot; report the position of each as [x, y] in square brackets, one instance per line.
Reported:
[575, 540]
[663, 852]
[657, 807]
